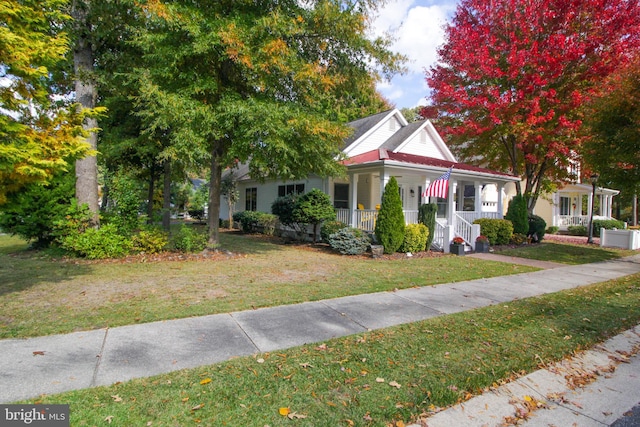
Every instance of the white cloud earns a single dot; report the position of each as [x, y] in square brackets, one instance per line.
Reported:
[418, 29]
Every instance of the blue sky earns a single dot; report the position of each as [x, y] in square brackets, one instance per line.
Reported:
[417, 26]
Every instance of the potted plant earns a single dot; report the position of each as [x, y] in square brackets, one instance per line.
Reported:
[482, 243]
[457, 246]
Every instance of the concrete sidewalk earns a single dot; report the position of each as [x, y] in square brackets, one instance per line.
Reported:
[54, 364]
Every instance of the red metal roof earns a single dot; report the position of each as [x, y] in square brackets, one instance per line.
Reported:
[381, 155]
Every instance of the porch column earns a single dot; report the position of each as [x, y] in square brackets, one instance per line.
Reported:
[451, 205]
[500, 200]
[353, 198]
[590, 201]
[424, 200]
[384, 179]
[478, 197]
[555, 209]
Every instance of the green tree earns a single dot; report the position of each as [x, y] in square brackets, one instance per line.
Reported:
[518, 215]
[427, 215]
[38, 138]
[314, 208]
[262, 82]
[390, 223]
[614, 149]
[32, 212]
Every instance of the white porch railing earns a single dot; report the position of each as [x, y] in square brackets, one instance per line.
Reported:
[438, 237]
[463, 228]
[365, 219]
[471, 216]
[564, 221]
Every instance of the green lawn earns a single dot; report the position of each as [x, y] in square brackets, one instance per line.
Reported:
[565, 253]
[41, 295]
[380, 378]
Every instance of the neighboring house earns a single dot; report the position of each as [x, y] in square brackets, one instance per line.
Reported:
[572, 204]
[382, 146]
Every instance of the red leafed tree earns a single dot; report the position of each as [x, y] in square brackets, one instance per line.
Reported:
[513, 73]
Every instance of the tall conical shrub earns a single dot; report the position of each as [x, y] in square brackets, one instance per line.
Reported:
[518, 215]
[390, 223]
[427, 215]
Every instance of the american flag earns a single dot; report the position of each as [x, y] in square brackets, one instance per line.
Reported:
[439, 187]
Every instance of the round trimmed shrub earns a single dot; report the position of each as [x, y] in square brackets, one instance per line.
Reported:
[537, 228]
[415, 238]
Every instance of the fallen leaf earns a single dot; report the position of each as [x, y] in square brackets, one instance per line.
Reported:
[116, 398]
[205, 381]
[261, 360]
[38, 353]
[379, 380]
[306, 365]
[200, 406]
[185, 399]
[284, 411]
[394, 384]
[109, 419]
[367, 417]
[295, 415]
[399, 424]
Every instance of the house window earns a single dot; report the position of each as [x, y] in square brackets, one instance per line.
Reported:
[284, 190]
[251, 199]
[392, 124]
[341, 196]
[565, 206]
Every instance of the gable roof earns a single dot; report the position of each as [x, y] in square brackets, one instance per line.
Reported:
[364, 127]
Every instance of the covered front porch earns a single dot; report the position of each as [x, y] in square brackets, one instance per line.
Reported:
[471, 195]
[572, 205]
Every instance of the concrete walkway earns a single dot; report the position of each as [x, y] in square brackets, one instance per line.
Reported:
[54, 364]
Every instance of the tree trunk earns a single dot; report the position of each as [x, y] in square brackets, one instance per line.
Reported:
[151, 190]
[166, 197]
[215, 181]
[86, 95]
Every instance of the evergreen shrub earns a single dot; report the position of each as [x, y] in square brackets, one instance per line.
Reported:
[427, 216]
[150, 241]
[607, 224]
[188, 239]
[415, 238]
[390, 225]
[349, 241]
[498, 231]
[518, 215]
[330, 227]
[537, 227]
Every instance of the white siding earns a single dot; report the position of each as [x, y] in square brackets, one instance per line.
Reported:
[267, 193]
[428, 148]
[378, 137]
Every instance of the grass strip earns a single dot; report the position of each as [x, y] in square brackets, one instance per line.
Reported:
[565, 253]
[373, 379]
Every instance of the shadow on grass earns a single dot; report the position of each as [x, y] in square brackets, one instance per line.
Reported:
[239, 242]
[22, 268]
[563, 253]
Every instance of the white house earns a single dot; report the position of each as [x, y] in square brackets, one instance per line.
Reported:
[382, 146]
